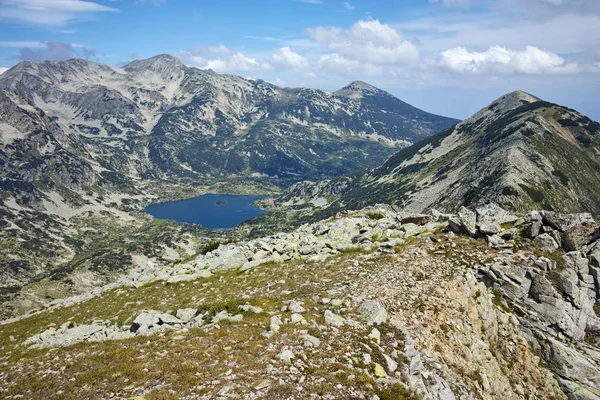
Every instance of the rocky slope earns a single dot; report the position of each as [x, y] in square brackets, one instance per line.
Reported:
[369, 304]
[520, 152]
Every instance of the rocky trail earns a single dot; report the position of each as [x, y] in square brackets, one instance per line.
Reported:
[373, 304]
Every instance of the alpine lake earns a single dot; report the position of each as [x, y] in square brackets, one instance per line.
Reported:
[212, 211]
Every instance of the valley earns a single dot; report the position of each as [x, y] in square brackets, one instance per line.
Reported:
[372, 250]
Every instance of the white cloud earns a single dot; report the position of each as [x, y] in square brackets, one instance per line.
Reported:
[368, 41]
[20, 44]
[50, 12]
[498, 60]
[348, 6]
[3, 70]
[310, 1]
[335, 63]
[235, 62]
[285, 58]
[221, 59]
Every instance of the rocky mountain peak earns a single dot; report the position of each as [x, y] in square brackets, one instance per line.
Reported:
[356, 89]
[513, 100]
[162, 63]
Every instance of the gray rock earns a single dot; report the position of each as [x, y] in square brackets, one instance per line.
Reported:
[297, 319]
[392, 365]
[333, 319]
[250, 308]
[533, 230]
[490, 218]
[186, 314]
[579, 376]
[540, 286]
[417, 219]
[295, 307]
[286, 356]
[169, 319]
[468, 221]
[373, 312]
[576, 229]
[146, 320]
[546, 242]
[226, 257]
[310, 341]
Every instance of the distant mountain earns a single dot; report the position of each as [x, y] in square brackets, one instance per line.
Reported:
[157, 118]
[82, 143]
[520, 152]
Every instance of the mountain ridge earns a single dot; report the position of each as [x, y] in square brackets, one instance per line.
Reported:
[520, 152]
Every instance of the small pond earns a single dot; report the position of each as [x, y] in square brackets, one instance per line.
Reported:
[212, 211]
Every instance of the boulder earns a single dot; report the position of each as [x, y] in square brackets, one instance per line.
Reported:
[547, 243]
[373, 312]
[533, 230]
[417, 219]
[186, 314]
[468, 221]
[491, 217]
[295, 307]
[540, 286]
[576, 229]
[145, 321]
[333, 319]
[227, 257]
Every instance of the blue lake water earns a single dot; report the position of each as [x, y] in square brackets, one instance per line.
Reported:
[212, 211]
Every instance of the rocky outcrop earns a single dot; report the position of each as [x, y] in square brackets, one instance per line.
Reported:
[556, 298]
[355, 231]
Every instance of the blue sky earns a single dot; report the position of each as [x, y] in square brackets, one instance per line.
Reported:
[450, 57]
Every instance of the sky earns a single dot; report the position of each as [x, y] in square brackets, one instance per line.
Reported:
[449, 57]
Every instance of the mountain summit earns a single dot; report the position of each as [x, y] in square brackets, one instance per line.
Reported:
[163, 64]
[357, 88]
[520, 152]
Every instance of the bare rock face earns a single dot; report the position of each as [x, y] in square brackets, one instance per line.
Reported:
[576, 230]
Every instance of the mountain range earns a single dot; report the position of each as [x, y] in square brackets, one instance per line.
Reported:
[520, 152]
[85, 146]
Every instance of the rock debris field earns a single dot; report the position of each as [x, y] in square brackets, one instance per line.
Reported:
[372, 304]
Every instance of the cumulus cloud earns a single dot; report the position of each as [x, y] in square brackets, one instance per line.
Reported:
[368, 41]
[285, 58]
[58, 51]
[221, 59]
[341, 65]
[50, 12]
[348, 6]
[498, 60]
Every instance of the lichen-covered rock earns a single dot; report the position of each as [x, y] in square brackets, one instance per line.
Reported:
[373, 312]
[333, 319]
